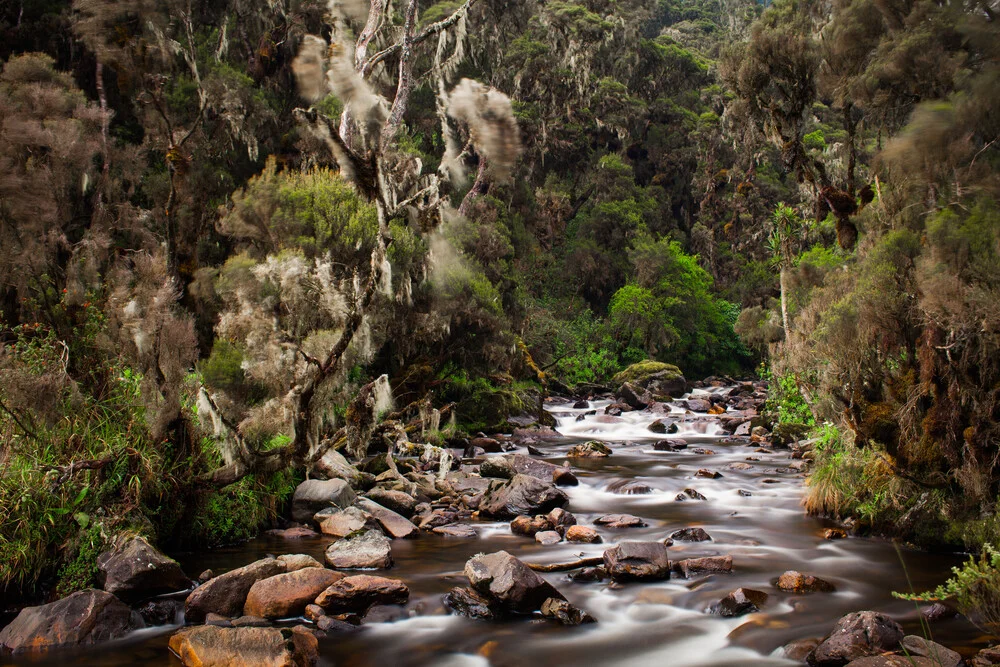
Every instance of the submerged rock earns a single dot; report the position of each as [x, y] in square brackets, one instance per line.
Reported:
[468, 602]
[294, 533]
[134, 569]
[858, 635]
[521, 495]
[81, 619]
[313, 495]
[456, 530]
[693, 494]
[739, 602]
[509, 581]
[693, 567]
[227, 593]
[361, 592]
[369, 549]
[210, 646]
[620, 521]
[562, 611]
[637, 561]
[629, 487]
[285, 595]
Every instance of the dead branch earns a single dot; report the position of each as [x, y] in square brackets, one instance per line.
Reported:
[563, 567]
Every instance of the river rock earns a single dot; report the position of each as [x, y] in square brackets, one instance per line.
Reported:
[708, 474]
[620, 521]
[690, 535]
[562, 611]
[437, 518]
[941, 656]
[582, 404]
[293, 533]
[633, 396]
[988, 657]
[739, 602]
[227, 593]
[663, 427]
[497, 468]
[637, 561]
[468, 602]
[525, 465]
[366, 550]
[528, 526]
[857, 635]
[296, 562]
[548, 537]
[589, 450]
[161, 611]
[313, 495]
[564, 477]
[659, 378]
[285, 595]
[361, 592]
[629, 487]
[561, 520]
[582, 534]
[509, 581]
[341, 523]
[402, 503]
[698, 405]
[462, 530]
[210, 646]
[395, 525]
[694, 567]
[894, 661]
[799, 649]
[588, 575]
[333, 465]
[693, 494]
[796, 582]
[671, 445]
[134, 569]
[81, 619]
[834, 534]
[521, 495]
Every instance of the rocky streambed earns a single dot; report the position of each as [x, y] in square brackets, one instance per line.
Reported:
[636, 532]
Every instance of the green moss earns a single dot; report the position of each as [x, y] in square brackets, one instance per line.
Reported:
[638, 372]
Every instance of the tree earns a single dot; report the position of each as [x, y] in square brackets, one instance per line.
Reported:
[477, 123]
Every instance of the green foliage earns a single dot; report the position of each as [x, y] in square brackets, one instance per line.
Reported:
[974, 589]
[785, 404]
[238, 512]
[814, 140]
[485, 404]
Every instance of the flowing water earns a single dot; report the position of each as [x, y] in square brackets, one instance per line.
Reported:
[663, 623]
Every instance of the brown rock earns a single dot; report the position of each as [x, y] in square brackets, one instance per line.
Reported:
[509, 581]
[521, 495]
[562, 611]
[563, 477]
[620, 521]
[834, 534]
[561, 520]
[548, 537]
[693, 567]
[739, 602]
[358, 593]
[708, 474]
[528, 526]
[589, 450]
[637, 561]
[294, 533]
[690, 535]
[368, 550]
[81, 619]
[629, 487]
[211, 646]
[468, 602]
[858, 635]
[341, 523]
[293, 562]
[397, 501]
[584, 534]
[457, 530]
[134, 569]
[227, 593]
[285, 595]
[395, 525]
[796, 582]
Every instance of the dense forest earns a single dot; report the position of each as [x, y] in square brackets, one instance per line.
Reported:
[236, 237]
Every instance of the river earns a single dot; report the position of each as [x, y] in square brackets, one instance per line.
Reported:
[763, 528]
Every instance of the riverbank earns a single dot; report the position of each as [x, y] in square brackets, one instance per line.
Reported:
[742, 491]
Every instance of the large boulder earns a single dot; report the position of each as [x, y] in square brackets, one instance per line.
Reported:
[942, 656]
[468, 602]
[653, 376]
[81, 619]
[395, 525]
[213, 646]
[525, 465]
[510, 582]
[398, 501]
[521, 495]
[313, 495]
[358, 593]
[369, 549]
[285, 595]
[333, 465]
[637, 561]
[341, 523]
[133, 569]
[857, 635]
[226, 594]
[634, 397]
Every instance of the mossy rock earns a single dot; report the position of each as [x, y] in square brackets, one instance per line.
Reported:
[655, 376]
[789, 433]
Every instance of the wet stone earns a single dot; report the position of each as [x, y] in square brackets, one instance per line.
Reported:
[629, 487]
[464, 531]
[739, 602]
[857, 635]
[548, 537]
[367, 550]
[565, 613]
[588, 575]
[694, 567]
[796, 582]
[564, 477]
[561, 520]
[620, 521]
[529, 526]
[592, 449]
[582, 534]
[637, 561]
[708, 474]
[690, 535]
[690, 494]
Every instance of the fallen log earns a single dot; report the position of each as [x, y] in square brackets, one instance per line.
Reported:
[563, 567]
